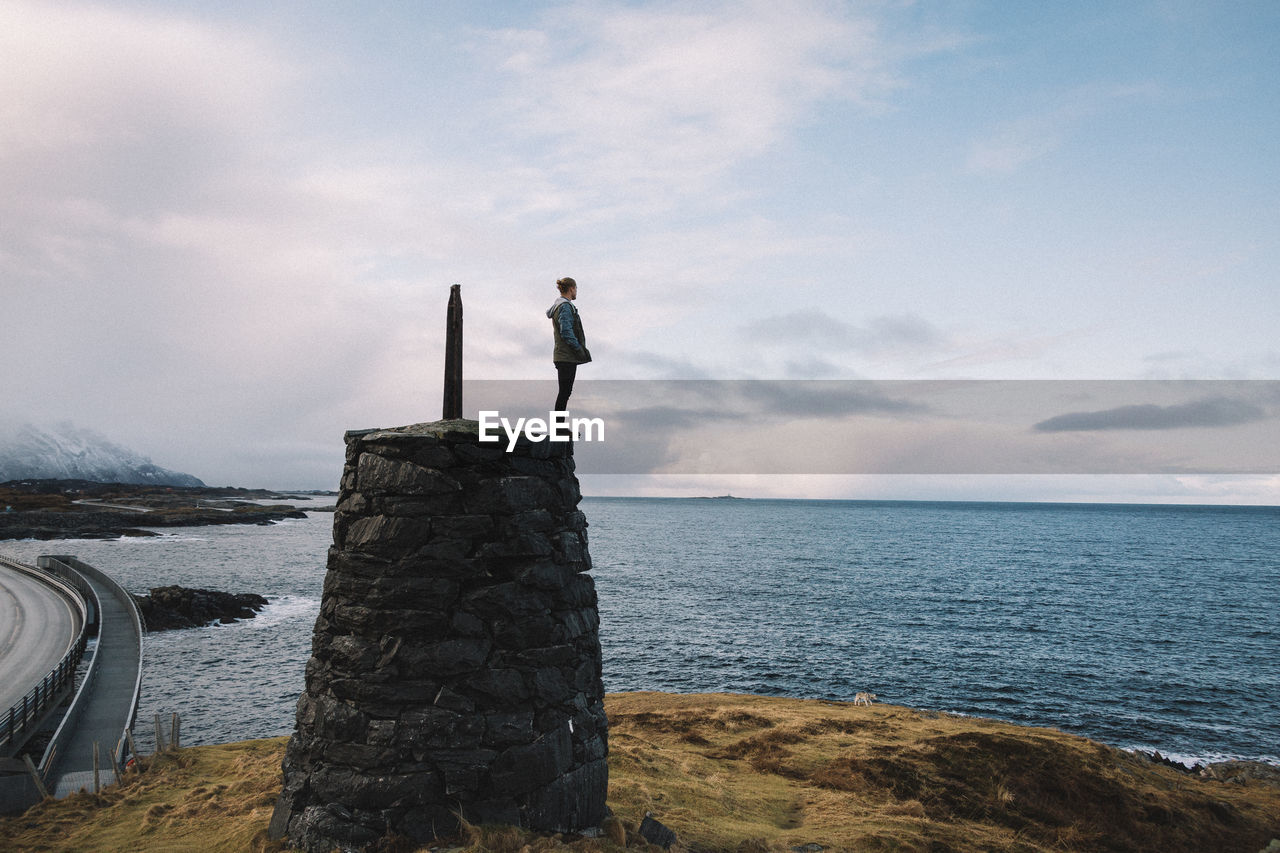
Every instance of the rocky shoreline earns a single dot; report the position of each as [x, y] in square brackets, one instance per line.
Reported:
[78, 509]
[112, 525]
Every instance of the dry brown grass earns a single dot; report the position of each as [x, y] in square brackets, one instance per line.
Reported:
[748, 774]
[785, 772]
[24, 501]
[208, 798]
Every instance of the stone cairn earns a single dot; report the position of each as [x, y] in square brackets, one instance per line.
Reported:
[455, 668]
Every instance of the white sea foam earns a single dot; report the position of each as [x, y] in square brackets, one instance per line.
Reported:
[160, 538]
[1190, 761]
[286, 608]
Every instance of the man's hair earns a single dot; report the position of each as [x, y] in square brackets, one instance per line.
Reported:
[565, 283]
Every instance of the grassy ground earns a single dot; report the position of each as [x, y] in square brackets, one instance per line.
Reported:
[212, 798]
[748, 774]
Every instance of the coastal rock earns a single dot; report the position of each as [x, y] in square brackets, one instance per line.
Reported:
[78, 525]
[1157, 758]
[82, 509]
[168, 608]
[656, 833]
[1241, 772]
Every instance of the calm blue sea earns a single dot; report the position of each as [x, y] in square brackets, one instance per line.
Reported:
[1148, 627]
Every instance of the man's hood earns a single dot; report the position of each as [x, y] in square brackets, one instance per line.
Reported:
[560, 300]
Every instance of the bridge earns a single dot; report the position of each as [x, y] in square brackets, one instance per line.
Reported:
[41, 621]
[47, 614]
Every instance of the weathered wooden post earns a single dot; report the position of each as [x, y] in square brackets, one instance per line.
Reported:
[453, 356]
[35, 776]
[133, 750]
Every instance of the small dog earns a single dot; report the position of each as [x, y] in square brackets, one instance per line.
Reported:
[864, 699]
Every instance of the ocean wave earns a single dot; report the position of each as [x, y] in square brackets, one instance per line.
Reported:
[1190, 760]
[159, 539]
[284, 609]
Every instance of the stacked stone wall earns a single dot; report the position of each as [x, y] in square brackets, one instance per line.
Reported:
[455, 664]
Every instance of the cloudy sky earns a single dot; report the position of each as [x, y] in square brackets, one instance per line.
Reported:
[228, 231]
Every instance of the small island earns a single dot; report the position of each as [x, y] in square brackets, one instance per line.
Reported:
[81, 509]
[169, 608]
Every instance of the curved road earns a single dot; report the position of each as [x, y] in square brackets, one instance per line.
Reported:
[37, 627]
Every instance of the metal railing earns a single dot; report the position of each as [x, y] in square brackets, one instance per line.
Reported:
[25, 715]
[72, 566]
[19, 789]
[22, 717]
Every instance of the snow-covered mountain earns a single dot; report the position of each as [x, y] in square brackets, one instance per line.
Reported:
[65, 452]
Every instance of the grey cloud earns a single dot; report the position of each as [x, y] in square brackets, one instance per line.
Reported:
[1169, 355]
[812, 368]
[795, 326]
[813, 328]
[1209, 412]
[903, 330]
[903, 426]
[824, 398]
[647, 419]
[667, 418]
[702, 401]
[671, 368]
[684, 403]
[639, 440]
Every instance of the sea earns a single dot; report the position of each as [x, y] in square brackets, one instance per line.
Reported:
[1151, 628]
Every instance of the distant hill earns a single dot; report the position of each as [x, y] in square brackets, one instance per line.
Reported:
[66, 452]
